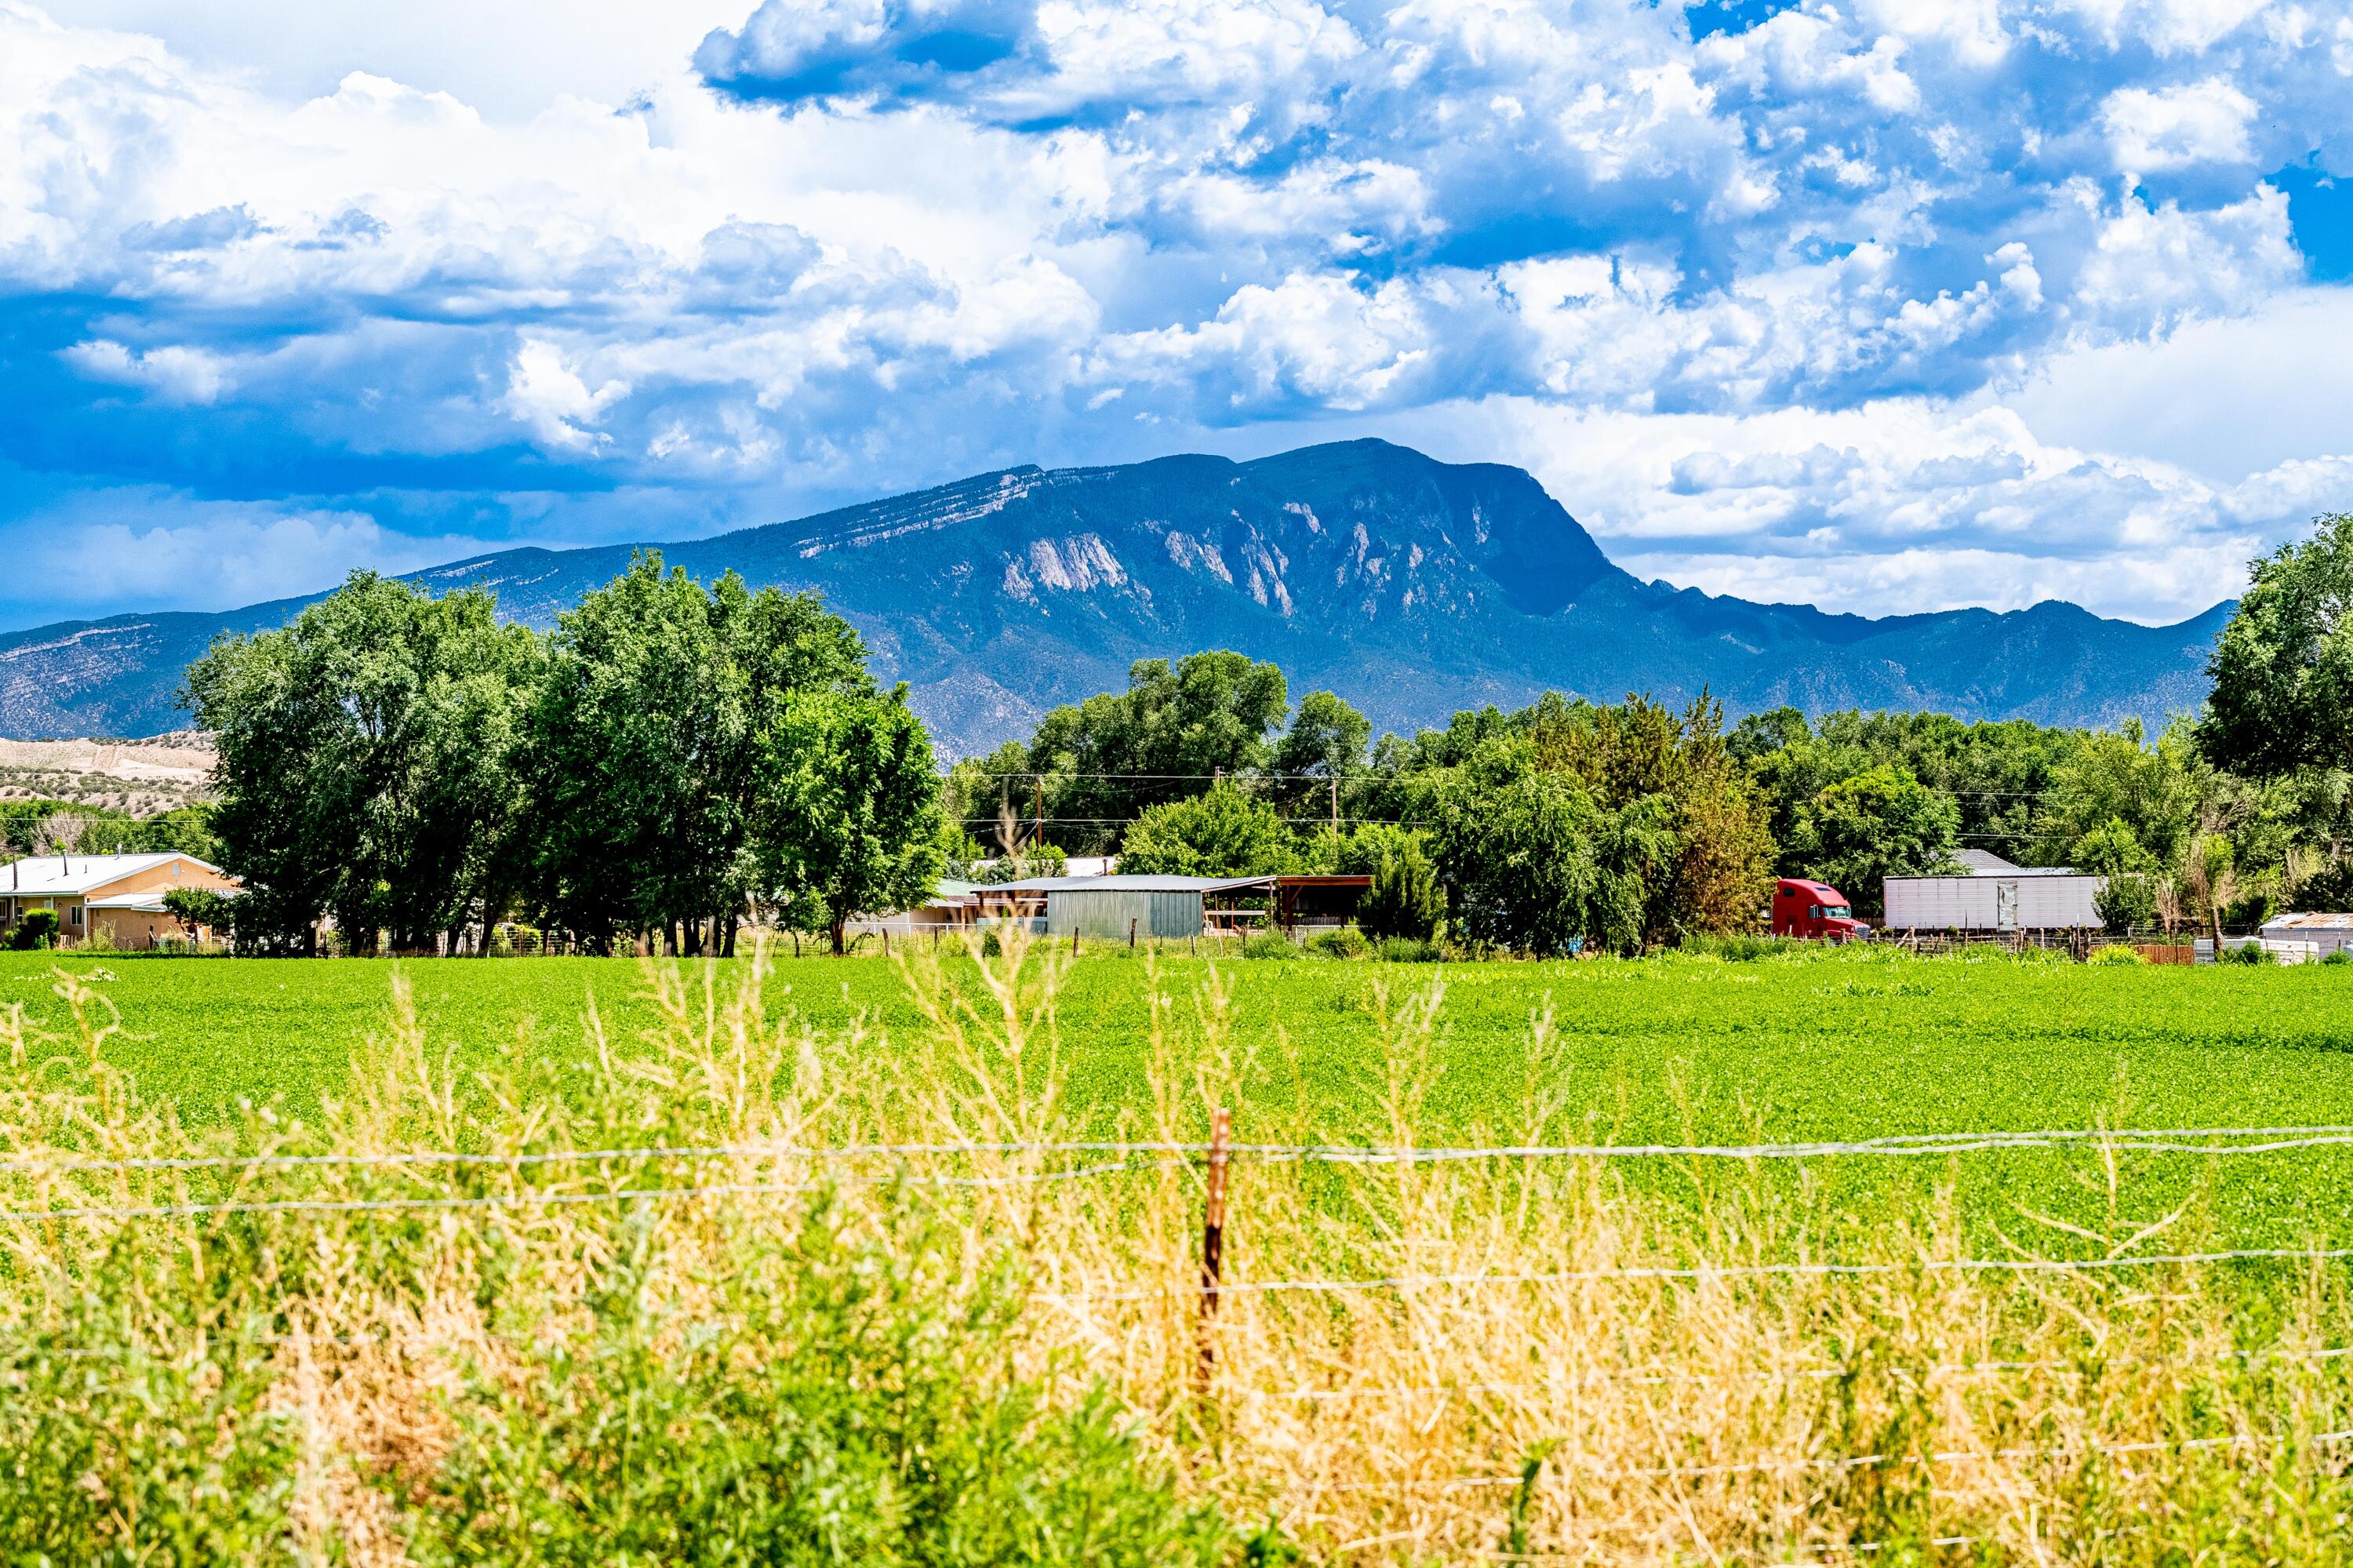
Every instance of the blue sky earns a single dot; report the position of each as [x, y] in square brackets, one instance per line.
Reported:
[1883, 304]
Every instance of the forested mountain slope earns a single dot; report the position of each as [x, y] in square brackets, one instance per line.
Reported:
[1411, 586]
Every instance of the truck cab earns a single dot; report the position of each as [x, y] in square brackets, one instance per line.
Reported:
[1814, 911]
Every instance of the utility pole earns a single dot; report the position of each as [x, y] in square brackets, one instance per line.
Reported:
[1038, 827]
[1335, 805]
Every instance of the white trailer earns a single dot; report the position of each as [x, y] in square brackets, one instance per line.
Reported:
[2021, 898]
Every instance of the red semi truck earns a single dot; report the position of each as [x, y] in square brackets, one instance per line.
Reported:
[1814, 911]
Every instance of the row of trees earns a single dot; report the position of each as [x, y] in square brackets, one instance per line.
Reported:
[42, 825]
[673, 757]
[670, 760]
[1631, 825]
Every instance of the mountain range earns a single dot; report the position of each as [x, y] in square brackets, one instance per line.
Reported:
[1412, 587]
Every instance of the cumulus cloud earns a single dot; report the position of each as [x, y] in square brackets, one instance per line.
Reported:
[546, 394]
[1848, 285]
[2150, 131]
[173, 373]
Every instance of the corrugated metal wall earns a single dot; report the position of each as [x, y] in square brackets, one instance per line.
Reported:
[1106, 912]
[1991, 903]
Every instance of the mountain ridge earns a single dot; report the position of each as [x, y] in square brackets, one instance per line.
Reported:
[1411, 586]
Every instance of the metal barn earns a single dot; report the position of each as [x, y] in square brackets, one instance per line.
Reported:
[1114, 906]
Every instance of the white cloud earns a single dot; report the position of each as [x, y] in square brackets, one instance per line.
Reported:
[174, 373]
[1858, 285]
[546, 394]
[2150, 131]
[139, 546]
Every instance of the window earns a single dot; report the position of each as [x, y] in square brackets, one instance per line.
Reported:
[1837, 911]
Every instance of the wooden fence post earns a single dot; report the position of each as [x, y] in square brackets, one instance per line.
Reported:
[1131, 933]
[1213, 1238]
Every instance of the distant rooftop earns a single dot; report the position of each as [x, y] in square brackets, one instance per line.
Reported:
[52, 876]
[1984, 862]
[1133, 884]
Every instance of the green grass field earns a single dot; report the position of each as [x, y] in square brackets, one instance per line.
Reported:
[1663, 1050]
[1398, 1342]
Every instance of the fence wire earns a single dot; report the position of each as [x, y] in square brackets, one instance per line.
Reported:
[2141, 1140]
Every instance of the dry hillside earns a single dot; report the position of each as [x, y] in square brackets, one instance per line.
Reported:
[142, 777]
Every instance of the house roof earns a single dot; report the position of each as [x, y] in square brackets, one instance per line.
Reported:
[1977, 860]
[1135, 883]
[2294, 922]
[52, 876]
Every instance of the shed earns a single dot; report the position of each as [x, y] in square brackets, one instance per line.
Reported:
[2296, 939]
[1993, 894]
[1113, 907]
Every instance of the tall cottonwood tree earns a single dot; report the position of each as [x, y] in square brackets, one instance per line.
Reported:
[650, 762]
[365, 763]
[2282, 669]
[848, 822]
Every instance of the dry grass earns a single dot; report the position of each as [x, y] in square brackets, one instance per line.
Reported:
[2158, 1415]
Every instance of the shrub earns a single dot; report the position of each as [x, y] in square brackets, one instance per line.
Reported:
[1405, 899]
[2249, 953]
[1348, 942]
[1405, 951]
[1740, 947]
[2116, 953]
[1267, 945]
[201, 907]
[36, 929]
[851, 1410]
[2342, 956]
[2126, 902]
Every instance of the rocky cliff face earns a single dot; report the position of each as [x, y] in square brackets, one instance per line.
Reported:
[1411, 586]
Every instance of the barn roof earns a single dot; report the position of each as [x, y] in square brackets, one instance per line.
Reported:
[1138, 883]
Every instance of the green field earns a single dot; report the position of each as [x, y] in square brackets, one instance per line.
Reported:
[1663, 1050]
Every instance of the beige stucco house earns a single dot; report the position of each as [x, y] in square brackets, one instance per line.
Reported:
[121, 893]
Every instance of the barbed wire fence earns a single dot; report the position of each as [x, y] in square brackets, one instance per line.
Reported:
[1087, 1159]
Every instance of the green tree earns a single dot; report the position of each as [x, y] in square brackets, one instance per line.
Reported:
[851, 823]
[204, 908]
[2282, 669]
[648, 764]
[1322, 754]
[1163, 738]
[366, 760]
[1884, 822]
[1404, 898]
[1223, 832]
[1518, 862]
[2113, 849]
[2114, 780]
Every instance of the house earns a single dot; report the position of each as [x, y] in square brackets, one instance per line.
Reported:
[1993, 894]
[2299, 939]
[120, 894]
[953, 905]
